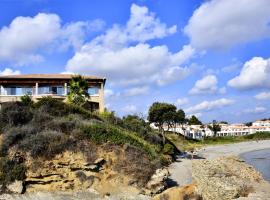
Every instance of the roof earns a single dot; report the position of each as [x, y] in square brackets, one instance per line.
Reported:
[49, 76]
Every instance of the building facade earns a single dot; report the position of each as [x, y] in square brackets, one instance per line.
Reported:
[12, 87]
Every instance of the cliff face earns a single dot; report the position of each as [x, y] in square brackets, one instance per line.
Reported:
[72, 172]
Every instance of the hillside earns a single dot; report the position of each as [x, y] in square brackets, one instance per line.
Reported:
[51, 145]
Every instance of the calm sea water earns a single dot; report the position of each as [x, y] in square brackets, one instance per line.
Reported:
[260, 160]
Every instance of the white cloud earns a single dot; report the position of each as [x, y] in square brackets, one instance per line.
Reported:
[122, 55]
[181, 101]
[129, 109]
[256, 110]
[209, 105]
[263, 96]
[26, 37]
[221, 24]
[8, 71]
[136, 91]
[206, 85]
[254, 74]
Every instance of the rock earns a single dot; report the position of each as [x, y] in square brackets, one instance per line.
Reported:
[16, 187]
[100, 161]
[224, 178]
[157, 182]
[179, 193]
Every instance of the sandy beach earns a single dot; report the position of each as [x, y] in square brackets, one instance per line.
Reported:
[181, 170]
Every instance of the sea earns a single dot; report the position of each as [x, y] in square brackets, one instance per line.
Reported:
[260, 160]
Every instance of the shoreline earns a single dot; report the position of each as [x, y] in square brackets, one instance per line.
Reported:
[181, 170]
[236, 149]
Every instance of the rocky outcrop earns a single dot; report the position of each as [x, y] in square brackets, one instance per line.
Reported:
[157, 182]
[71, 171]
[179, 193]
[225, 178]
[16, 187]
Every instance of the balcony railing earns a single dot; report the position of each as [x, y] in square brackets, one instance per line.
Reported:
[42, 90]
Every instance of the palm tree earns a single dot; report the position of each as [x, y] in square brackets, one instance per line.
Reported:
[78, 90]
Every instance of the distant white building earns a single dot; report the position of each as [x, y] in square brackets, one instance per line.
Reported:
[261, 123]
[200, 131]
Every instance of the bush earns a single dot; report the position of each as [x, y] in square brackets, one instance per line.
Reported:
[258, 136]
[136, 164]
[46, 144]
[57, 107]
[26, 100]
[14, 136]
[168, 149]
[101, 133]
[61, 125]
[14, 114]
[11, 171]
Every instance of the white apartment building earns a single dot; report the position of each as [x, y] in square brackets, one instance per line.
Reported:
[200, 131]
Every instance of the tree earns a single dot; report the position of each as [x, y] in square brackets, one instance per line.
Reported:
[78, 90]
[214, 127]
[159, 114]
[194, 121]
[180, 117]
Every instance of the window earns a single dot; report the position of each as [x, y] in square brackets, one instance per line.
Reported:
[93, 91]
[58, 90]
[17, 90]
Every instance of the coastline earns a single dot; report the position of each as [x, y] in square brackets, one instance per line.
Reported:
[219, 168]
[235, 149]
[181, 170]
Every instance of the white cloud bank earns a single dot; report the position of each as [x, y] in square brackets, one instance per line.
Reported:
[23, 40]
[8, 71]
[122, 55]
[207, 85]
[263, 96]
[209, 105]
[221, 24]
[254, 74]
[181, 101]
[256, 110]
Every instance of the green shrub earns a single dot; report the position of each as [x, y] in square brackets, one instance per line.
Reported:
[11, 171]
[101, 133]
[168, 149]
[57, 107]
[15, 113]
[258, 136]
[26, 100]
[15, 135]
[61, 125]
[46, 144]
[135, 163]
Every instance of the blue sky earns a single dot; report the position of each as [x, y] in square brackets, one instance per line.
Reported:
[210, 58]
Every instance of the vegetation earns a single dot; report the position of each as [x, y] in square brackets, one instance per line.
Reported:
[215, 127]
[187, 144]
[78, 90]
[49, 127]
[194, 121]
[165, 113]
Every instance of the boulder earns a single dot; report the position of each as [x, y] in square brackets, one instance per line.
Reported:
[157, 182]
[16, 187]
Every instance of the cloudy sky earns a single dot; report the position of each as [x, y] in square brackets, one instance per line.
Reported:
[210, 58]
